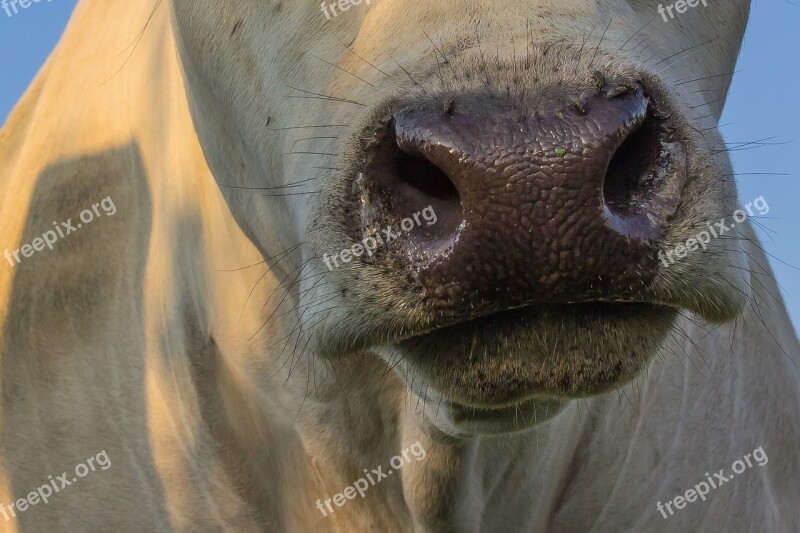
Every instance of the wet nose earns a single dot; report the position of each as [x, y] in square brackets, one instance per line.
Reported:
[559, 204]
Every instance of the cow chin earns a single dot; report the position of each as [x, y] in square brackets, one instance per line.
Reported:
[511, 370]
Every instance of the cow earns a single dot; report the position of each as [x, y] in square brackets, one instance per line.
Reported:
[397, 265]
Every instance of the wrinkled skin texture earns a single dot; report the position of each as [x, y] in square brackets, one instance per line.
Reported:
[232, 398]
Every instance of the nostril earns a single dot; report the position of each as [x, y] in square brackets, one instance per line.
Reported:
[402, 179]
[634, 167]
[422, 175]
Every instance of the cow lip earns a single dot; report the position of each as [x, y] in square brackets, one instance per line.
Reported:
[470, 321]
[486, 379]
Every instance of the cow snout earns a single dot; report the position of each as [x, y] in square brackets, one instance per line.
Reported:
[557, 202]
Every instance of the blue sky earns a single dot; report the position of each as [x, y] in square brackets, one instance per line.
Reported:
[762, 105]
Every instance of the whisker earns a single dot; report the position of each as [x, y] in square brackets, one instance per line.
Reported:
[583, 44]
[707, 78]
[712, 101]
[686, 50]
[328, 98]
[343, 70]
[635, 34]
[322, 96]
[312, 127]
[643, 50]
[410, 76]
[289, 194]
[309, 153]
[756, 174]
[287, 251]
[600, 41]
[317, 137]
[287, 186]
[437, 48]
[361, 58]
[757, 141]
[134, 43]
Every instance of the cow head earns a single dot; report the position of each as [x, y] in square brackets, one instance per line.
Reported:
[506, 179]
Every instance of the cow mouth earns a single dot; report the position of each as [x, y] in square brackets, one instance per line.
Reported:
[507, 370]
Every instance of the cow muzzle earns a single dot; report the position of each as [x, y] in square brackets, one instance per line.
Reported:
[563, 203]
